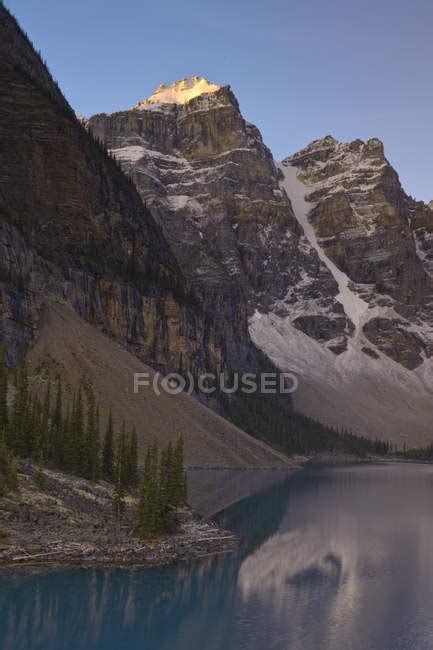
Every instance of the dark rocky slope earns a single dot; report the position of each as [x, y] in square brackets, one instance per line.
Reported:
[74, 227]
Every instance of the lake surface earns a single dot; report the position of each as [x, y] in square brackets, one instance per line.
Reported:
[338, 558]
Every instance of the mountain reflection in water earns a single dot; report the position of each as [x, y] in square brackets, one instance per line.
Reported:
[334, 558]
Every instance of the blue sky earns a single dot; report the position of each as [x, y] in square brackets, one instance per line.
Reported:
[300, 70]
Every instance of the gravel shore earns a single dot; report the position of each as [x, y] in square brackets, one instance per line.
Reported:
[71, 522]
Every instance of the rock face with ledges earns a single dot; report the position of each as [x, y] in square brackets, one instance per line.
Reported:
[336, 291]
[78, 244]
[329, 266]
[374, 233]
[361, 216]
[206, 173]
[421, 219]
[74, 227]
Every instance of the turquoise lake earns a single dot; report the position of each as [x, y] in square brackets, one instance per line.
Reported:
[334, 558]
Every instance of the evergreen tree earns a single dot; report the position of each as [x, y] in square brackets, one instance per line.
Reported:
[149, 516]
[3, 393]
[168, 485]
[18, 432]
[63, 439]
[170, 472]
[8, 470]
[58, 430]
[78, 461]
[122, 458]
[133, 459]
[108, 451]
[35, 427]
[45, 422]
[91, 450]
[118, 494]
[180, 494]
[164, 489]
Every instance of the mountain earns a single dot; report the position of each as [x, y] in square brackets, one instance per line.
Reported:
[215, 189]
[73, 348]
[77, 242]
[324, 253]
[369, 234]
[79, 229]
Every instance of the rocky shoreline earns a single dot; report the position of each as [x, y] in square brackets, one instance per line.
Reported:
[202, 540]
[70, 522]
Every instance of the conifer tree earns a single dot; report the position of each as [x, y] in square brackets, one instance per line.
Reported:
[133, 459]
[73, 435]
[164, 490]
[170, 475]
[180, 477]
[118, 494]
[167, 480]
[35, 427]
[69, 446]
[3, 393]
[108, 451]
[78, 447]
[63, 449]
[118, 503]
[91, 451]
[149, 519]
[18, 434]
[121, 458]
[58, 430]
[45, 422]
[8, 469]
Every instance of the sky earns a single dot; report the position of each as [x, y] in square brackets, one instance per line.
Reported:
[300, 69]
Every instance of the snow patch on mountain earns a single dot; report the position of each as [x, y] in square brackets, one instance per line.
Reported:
[354, 307]
[361, 388]
[180, 92]
[373, 396]
[129, 154]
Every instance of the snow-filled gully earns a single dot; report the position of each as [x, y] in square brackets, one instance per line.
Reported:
[354, 307]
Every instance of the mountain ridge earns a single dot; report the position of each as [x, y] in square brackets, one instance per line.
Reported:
[179, 92]
[80, 236]
[205, 250]
[296, 279]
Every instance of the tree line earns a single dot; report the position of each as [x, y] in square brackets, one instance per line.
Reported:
[271, 418]
[164, 488]
[68, 439]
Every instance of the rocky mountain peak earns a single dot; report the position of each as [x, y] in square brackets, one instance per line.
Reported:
[330, 166]
[316, 255]
[328, 149]
[179, 92]
[430, 205]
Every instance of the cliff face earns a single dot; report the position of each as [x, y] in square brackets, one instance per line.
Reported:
[375, 242]
[324, 253]
[362, 216]
[322, 261]
[421, 220]
[74, 227]
[377, 236]
[215, 188]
